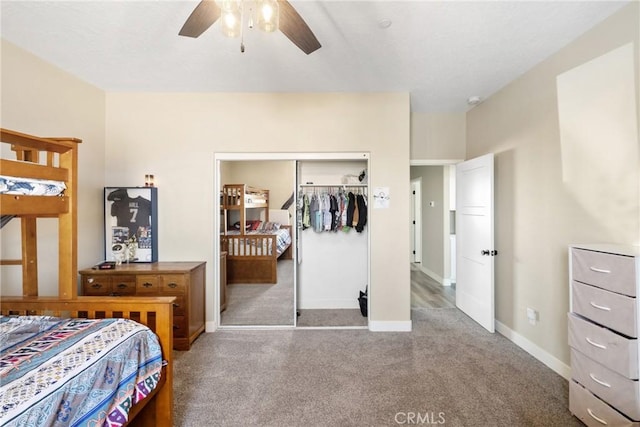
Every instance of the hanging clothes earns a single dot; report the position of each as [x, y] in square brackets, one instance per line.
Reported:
[334, 209]
[350, 210]
[306, 217]
[326, 212]
[362, 213]
[315, 213]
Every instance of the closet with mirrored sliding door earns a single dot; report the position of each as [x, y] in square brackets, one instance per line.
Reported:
[332, 242]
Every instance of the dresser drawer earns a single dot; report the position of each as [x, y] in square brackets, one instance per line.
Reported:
[173, 284]
[604, 346]
[592, 411]
[96, 285]
[616, 273]
[180, 327]
[148, 284]
[123, 285]
[609, 309]
[179, 307]
[613, 388]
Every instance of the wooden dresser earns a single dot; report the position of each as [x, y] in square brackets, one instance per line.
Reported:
[184, 280]
[603, 334]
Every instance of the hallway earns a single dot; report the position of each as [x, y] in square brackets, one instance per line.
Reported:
[427, 293]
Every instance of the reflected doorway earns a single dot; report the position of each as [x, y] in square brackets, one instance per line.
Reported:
[257, 283]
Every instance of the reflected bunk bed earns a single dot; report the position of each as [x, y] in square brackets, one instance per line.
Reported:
[143, 393]
[253, 246]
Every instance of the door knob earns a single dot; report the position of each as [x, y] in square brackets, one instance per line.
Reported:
[484, 252]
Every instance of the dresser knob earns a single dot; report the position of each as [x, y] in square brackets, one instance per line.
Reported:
[147, 285]
[122, 285]
[96, 286]
[173, 285]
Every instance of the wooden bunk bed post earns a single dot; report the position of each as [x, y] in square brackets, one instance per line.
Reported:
[29, 256]
[68, 226]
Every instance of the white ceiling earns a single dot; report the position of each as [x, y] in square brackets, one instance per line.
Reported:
[442, 52]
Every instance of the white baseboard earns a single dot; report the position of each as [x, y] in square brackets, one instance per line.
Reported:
[390, 325]
[431, 274]
[533, 349]
[436, 277]
[210, 326]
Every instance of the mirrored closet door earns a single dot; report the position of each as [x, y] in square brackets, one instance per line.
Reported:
[257, 217]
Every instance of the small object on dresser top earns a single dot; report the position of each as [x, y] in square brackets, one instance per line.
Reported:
[107, 265]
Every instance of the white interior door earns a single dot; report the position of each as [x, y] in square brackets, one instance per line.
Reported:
[474, 232]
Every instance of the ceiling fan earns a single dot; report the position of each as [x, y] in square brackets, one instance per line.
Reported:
[271, 15]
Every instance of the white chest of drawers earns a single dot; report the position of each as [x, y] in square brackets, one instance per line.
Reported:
[603, 334]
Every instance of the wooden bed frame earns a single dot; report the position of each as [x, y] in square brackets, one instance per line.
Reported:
[255, 266]
[57, 159]
[155, 312]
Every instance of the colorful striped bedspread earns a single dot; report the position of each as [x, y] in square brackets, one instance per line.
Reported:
[74, 372]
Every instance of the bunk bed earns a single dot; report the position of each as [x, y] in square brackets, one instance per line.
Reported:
[253, 245]
[53, 161]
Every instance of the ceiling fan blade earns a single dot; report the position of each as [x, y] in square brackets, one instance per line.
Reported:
[202, 17]
[293, 26]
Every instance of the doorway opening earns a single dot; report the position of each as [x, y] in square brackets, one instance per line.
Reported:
[433, 235]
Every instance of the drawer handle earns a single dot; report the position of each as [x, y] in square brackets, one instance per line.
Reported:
[147, 285]
[96, 286]
[176, 305]
[598, 419]
[593, 377]
[173, 285]
[176, 327]
[600, 307]
[122, 285]
[599, 270]
[595, 344]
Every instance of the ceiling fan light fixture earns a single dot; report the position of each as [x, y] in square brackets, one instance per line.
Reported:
[231, 23]
[228, 5]
[268, 15]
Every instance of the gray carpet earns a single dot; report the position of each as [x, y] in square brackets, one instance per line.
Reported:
[331, 317]
[448, 370]
[261, 304]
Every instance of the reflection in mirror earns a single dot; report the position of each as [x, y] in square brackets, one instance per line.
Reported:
[256, 254]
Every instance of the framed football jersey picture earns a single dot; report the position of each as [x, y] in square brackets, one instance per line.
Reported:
[131, 224]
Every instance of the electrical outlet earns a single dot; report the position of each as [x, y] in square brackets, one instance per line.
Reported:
[532, 315]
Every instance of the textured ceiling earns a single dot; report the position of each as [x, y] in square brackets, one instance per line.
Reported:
[442, 52]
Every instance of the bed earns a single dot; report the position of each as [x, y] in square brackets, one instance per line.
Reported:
[253, 243]
[55, 160]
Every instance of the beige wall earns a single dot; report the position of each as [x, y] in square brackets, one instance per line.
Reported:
[537, 216]
[43, 100]
[175, 136]
[276, 176]
[438, 136]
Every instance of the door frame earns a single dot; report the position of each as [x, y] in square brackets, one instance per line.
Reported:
[416, 212]
[436, 162]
